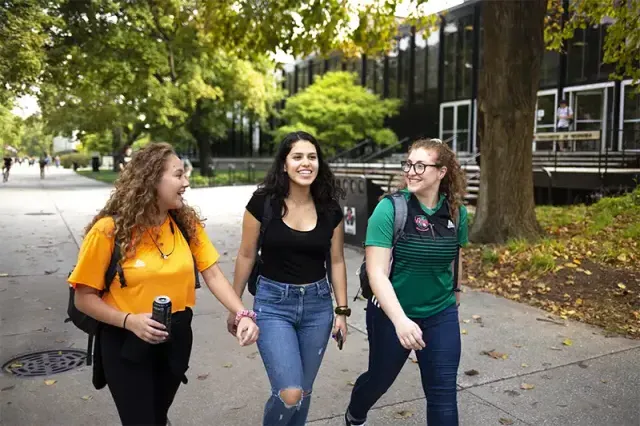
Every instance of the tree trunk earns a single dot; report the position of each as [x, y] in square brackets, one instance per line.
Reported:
[116, 146]
[513, 50]
[197, 128]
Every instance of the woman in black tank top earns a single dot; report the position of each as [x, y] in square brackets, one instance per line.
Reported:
[302, 245]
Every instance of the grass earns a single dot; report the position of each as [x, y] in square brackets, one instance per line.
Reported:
[585, 267]
[108, 176]
[220, 179]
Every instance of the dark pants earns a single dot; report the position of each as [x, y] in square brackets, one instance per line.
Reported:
[141, 377]
[438, 362]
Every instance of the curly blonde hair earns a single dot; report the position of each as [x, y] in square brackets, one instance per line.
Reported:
[454, 183]
[133, 203]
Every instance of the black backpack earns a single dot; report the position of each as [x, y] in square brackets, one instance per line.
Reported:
[401, 211]
[90, 325]
[267, 215]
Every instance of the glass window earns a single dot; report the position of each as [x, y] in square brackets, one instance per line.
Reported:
[393, 74]
[303, 76]
[585, 54]
[545, 119]
[404, 67]
[433, 46]
[465, 63]
[458, 58]
[549, 69]
[318, 67]
[456, 120]
[631, 119]
[450, 60]
[420, 74]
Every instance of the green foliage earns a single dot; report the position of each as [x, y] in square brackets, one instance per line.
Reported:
[35, 139]
[82, 160]
[622, 42]
[339, 112]
[490, 256]
[517, 245]
[540, 262]
[10, 127]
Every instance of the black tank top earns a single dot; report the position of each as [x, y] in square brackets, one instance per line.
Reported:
[290, 256]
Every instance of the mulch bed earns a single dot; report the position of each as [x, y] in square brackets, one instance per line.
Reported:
[579, 289]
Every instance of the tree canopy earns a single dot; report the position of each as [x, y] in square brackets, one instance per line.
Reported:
[339, 112]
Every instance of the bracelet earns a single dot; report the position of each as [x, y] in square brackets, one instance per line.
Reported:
[124, 323]
[245, 314]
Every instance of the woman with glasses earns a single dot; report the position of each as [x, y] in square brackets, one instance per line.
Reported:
[415, 302]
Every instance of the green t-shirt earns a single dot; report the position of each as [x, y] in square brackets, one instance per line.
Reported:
[422, 291]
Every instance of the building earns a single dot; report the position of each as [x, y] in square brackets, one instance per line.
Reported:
[436, 76]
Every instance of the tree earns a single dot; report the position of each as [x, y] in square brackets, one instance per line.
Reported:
[10, 128]
[339, 112]
[513, 50]
[35, 139]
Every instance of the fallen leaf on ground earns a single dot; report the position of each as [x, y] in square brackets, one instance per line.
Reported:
[8, 388]
[523, 365]
[350, 383]
[555, 349]
[587, 272]
[52, 271]
[567, 342]
[570, 265]
[252, 355]
[476, 317]
[466, 321]
[87, 397]
[403, 414]
[471, 372]
[505, 421]
[527, 386]
[517, 346]
[227, 365]
[463, 331]
[622, 286]
[50, 382]
[15, 365]
[203, 376]
[495, 355]
[582, 364]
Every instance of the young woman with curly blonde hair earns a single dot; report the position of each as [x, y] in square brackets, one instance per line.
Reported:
[142, 363]
[415, 296]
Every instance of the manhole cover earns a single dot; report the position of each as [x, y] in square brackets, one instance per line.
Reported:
[39, 214]
[45, 363]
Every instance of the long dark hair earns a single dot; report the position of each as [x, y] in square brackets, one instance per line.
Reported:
[325, 190]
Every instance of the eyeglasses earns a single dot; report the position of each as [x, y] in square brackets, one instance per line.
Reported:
[418, 167]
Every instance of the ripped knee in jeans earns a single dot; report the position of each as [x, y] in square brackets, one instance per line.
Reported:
[291, 397]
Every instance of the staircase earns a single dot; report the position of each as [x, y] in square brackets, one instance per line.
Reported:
[387, 175]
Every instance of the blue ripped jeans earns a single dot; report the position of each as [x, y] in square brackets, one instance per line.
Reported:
[295, 323]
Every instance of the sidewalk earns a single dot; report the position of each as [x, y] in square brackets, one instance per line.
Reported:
[595, 381]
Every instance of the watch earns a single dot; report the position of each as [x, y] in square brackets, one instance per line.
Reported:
[343, 310]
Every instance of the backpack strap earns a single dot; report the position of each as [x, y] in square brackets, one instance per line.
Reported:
[401, 210]
[114, 268]
[267, 215]
[185, 234]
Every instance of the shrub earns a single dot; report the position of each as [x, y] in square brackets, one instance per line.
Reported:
[82, 160]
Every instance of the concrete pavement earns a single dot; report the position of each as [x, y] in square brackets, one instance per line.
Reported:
[595, 381]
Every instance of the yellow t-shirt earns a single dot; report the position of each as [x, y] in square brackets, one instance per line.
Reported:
[147, 274]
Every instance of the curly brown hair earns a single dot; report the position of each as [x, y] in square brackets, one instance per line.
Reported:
[454, 183]
[133, 204]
